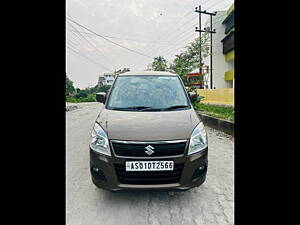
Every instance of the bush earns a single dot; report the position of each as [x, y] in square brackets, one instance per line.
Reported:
[88, 98]
[200, 98]
[81, 94]
[221, 112]
[102, 88]
[87, 94]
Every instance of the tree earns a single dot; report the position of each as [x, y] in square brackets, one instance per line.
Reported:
[159, 64]
[181, 65]
[69, 86]
[188, 60]
[193, 50]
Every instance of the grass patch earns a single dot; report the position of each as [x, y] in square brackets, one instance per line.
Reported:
[88, 98]
[220, 112]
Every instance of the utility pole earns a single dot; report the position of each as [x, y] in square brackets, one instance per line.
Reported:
[211, 31]
[200, 66]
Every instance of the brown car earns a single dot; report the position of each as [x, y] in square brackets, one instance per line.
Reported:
[147, 135]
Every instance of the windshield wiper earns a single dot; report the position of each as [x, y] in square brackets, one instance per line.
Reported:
[147, 108]
[176, 107]
[138, 108]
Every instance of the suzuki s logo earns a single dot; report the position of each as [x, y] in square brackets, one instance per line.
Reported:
[149, 150]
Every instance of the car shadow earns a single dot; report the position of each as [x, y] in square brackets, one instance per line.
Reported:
[143, 196]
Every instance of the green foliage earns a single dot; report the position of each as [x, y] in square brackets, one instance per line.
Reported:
[81, 94]
[69, 86]
[181, 65]
[102, 88]
[87, 94]
[188, 60]
[200, 98]
[88, 98]
[193, 50]
[221, 112]
[159, 64]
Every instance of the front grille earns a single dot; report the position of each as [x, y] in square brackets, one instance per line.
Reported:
[138, 150]
[148, 177]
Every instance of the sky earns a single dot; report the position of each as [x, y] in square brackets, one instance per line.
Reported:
[148, 28]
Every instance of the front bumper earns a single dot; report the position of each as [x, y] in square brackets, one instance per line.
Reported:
[109, 179]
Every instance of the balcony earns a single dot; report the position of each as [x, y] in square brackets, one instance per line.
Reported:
[229, 75]
[229, 56]
[228, 43]
[229, 22]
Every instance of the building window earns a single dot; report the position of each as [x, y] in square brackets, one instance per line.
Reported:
[228, 43]
[229, 22]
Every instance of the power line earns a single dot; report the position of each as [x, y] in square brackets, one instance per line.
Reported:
[72, 42]
[81, 45]
[172, 29]
[217, 3]
[168, 50]
[178, 28]
[127, 39]
[102, 54]
[76, 54]
[110, 40]
[180, 36]
[204, 2]
[93, 46]
[71, 35]
[101, 51]
[187, 14]
[187, 40]
[169, 31]
[181, 40]
[79, 39]
[222, 17]
[103, 67]
[210, 31]
[183, 46]
[91, 60]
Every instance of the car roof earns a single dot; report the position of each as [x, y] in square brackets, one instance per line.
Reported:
[152, 73]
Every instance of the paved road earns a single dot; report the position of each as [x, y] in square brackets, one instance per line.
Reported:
[211, 203]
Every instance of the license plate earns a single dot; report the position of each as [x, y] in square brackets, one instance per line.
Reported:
[149, 165]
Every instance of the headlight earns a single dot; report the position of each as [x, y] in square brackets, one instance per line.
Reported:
[99, 140]
[198, 141]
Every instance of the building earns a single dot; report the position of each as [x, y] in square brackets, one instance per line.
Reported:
[109, 78]
[223, 50]
[124, 70]
[106, 79]
[100, 80]
[194, 79]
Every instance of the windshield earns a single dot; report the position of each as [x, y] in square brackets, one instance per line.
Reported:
[146, 93]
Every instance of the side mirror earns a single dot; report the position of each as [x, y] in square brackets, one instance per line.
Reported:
[101, 97]
[193, 96]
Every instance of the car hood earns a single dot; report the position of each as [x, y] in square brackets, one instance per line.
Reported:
[148, 126]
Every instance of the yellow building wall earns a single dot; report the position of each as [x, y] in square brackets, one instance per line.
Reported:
[229, 75]
[222, 96]
[229, 56]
